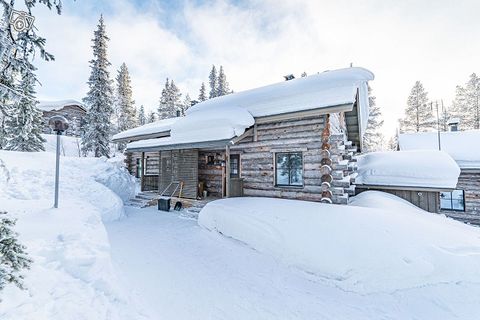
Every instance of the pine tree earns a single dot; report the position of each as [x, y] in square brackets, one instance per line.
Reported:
[203, 94]
[175, 99]
[141, 116]
[373, 138]
[151, 117]
[13, 257]
[99, 100]
[418, 114]
[466, 105]
[444, 117]
[213, 80]
[24, 124]
[187, 102]
[222, 84]
[127, 117]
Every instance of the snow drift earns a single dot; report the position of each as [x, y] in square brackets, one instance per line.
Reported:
[358, 248]
[420, 168]
[72, 276]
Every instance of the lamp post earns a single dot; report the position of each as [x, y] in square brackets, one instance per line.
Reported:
[58, 124]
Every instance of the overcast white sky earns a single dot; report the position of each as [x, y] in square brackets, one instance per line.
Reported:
[257, 42]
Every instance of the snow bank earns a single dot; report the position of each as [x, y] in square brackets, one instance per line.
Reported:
[58, 105]
[69, 146]
[358, 249]
[419, 168]
[72, 276]
[149, 128]
[460, 145]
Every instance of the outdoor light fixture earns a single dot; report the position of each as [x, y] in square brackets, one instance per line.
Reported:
[58, 124]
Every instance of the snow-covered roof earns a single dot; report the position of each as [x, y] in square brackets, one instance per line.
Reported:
[462, 146]
[415, 168]
[147, 129]
[58, 105]
[217, 125]
[228, 116]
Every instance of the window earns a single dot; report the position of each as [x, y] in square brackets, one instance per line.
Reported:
[289, 169]
[139, 168]
[454, 200]
[234, 166]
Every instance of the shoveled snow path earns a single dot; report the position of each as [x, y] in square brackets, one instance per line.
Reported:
[177, 270]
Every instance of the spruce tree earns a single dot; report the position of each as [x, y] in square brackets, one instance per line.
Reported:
[466, 105]
[187, 102]
[175, 96]
[166, 107]
[223, 87]
[13, 257]
[99, 100]
[127, 117]
[418, 114]
[202, 96]
[141, 116]
[151, 117]
[373, 138]
[24, 124]
[213, 80]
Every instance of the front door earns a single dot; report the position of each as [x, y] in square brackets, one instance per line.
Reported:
[234, 166]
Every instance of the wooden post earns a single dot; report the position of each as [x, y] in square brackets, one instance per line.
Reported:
[227, 171]
[159, 170]
[142, 180]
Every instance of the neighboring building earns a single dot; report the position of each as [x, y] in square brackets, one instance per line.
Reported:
[463, 202]
[293, 139]
[422, 172]
[73, 110]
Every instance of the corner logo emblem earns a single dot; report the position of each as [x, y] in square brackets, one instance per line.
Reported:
[21, 21]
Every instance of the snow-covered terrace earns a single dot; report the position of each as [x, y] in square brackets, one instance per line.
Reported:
[227, 117]
[462, 146]
[419, 169]
[58, 105]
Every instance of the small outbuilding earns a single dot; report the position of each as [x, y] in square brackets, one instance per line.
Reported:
[72, 110]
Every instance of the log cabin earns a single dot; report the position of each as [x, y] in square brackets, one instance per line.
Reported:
[72, 110]
[295, 139]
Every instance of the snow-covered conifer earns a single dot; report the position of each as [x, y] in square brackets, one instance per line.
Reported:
[151, 117]
[24, 123]
[13, 257]
[466, 105]
[223, 87]
[418, 113]
[99, 99]
[213, 80]
[142, 119]
[169, 101]
[175, 98]
[187, 102]
[202, 96]
[127, 117]
[373, 139]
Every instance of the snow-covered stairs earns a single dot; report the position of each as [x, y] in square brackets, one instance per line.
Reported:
[143, 199]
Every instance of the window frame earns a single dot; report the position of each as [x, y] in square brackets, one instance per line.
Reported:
[232, 175]
[280, 185]
[451, 201]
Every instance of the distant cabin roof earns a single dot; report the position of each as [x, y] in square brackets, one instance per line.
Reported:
[462, 146]
[431, 169]
[58, 105]
[229, 116]
[149, 129]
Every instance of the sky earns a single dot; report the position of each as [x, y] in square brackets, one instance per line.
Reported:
[258, 42]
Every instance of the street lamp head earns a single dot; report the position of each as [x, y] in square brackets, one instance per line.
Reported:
[58, 124]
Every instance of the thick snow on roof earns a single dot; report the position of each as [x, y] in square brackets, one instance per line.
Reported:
[213, 125]
[329, 88]
[462, 146]
[416, 168]
[57, 105]
[149, 128]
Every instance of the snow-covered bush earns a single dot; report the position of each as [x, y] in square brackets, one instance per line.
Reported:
[13, 257]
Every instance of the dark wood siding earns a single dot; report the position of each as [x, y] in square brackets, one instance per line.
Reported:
[211, 174]
[179, 166]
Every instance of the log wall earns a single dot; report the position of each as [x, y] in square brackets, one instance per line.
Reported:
[211, 174]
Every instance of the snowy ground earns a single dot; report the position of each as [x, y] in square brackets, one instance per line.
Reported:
[177, 269]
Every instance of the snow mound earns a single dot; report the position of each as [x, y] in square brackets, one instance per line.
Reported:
[360, 249]
[418, 168]
[458, 144]
[58, 105]
[72, 276]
